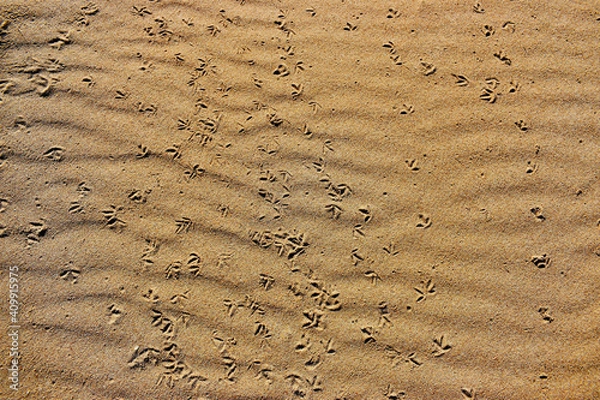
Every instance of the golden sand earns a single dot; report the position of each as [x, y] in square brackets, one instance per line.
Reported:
[300, 199]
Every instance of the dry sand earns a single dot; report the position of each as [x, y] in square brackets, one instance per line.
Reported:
[300, 199]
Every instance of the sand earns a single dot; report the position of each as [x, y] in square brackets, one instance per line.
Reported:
[299, 199]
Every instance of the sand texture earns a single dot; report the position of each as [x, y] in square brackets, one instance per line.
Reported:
[290, 199]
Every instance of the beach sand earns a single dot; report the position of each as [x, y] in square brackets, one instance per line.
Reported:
[299, 199]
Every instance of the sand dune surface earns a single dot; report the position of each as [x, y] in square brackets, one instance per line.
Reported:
[305, 199]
